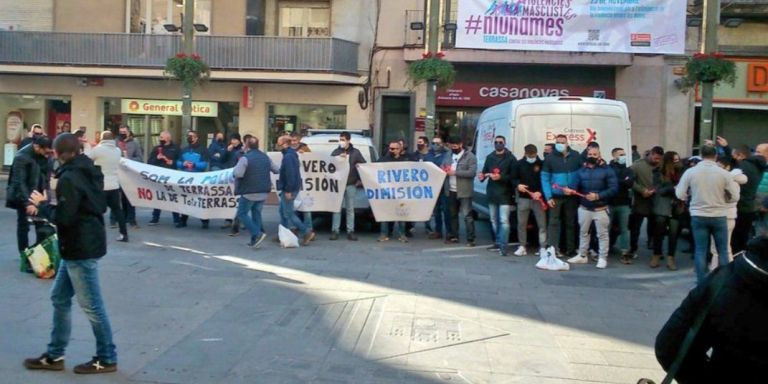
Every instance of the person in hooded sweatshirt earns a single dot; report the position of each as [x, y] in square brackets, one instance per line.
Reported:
[79, 219]
[730, 346]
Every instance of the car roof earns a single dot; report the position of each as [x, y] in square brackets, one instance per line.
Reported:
[334, 139]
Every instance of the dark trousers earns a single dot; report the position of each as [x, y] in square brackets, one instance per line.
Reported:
[113, 202]
[183, 220]
[156, 215]
[22, 230]
[563, 214]
[669, 227]
[742, 232]
[129, 211]
[635, 223]
[461, 206]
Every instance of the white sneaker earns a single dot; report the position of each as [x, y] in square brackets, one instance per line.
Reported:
[542, 252]
[602, 263]
[521, 251]
[578, 259]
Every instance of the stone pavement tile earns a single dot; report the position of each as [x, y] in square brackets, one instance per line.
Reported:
[528, 360]
[631, 360]
[598, 342]
[612, 374]
[585, 356]
[468, 356]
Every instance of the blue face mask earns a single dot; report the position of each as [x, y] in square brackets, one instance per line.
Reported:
[530, 160]
[622, 160]
[561, 147]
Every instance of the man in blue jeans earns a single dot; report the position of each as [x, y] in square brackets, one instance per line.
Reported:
[289, 185]
[82, 241]
[497, 169]
[711, 189]
[355, 157]
[253, 184]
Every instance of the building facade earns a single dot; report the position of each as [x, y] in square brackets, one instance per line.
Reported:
[276, 66]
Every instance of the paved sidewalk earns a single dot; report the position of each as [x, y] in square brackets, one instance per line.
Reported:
[195, 306]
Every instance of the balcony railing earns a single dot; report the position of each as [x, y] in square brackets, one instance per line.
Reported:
[151, 51]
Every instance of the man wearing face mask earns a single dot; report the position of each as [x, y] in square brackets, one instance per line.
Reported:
[163, 155]
[218, 152]
[527, 177]
[558, 170]
[423, 153]
[595, 183]
[193, 158]
[35, 131]
[394, 154]
[498, 169]
[289, 185]
[620, 203]
[461, 167]
[353, 155]
[440, 214]
[131, 150]
[643, 191]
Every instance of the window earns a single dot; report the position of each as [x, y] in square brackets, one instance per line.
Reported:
[148, 16]
[305, 19]
[286, 118]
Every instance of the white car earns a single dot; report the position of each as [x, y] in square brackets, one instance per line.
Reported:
[326, 142]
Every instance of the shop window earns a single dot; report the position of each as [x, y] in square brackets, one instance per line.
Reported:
[305, 19]
[19, 112]
[287, 118]
[148, 16]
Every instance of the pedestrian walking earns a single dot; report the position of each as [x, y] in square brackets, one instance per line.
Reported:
[253, 184]
[82, 241]
[289, 186]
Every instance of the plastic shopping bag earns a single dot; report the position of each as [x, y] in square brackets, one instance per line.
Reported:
[548, 261]
[43, 259]
[287, 238]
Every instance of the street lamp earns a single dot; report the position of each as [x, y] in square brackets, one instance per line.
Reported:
[187, 28]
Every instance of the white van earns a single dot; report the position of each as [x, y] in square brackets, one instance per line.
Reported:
[538, 120]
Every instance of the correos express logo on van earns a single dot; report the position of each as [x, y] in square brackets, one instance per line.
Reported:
[575, 135]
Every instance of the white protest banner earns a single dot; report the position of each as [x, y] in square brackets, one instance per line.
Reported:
[629, 26]
[323, 179]
[402, 191]
[205, 195]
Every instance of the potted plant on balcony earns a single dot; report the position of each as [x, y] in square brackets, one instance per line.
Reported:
[191, 70]
[703, 68]
[432, 67]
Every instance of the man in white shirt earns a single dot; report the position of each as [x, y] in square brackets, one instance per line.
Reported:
[711, 189]
[461, 168]
[107, 156]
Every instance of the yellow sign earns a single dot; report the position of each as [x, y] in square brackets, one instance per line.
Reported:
[167, 107]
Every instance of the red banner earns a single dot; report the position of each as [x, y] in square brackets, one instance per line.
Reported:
[488, 94]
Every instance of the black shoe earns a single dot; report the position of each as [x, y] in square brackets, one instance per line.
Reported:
[153, 222]
[493, 248]
[452, 240]
[181, 225]
[257, 240]
[504, 253]
[351, 236]
[227, 224]
[95, 366]
[334, 236]
[233, 234]
[470, 243]
[45, 362]
[205, 225]
[123, 238]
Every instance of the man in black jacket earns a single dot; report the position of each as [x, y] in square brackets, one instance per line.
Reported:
[498, 169]
[730, 346]
[29, 172]
[395, 154]
[82, 241]
[747, 207]
[621, 204]
[163, 155]
[527, 181]
[35, 132]
[354, 157]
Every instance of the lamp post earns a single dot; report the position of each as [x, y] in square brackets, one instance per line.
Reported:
[709, 46]
[433, 32]
[188, 36]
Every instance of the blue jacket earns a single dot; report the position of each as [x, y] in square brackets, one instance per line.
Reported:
[218, 153]
[290, 172]
[601, 180]
[437, 157]
[560, 170]
[197, 154]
